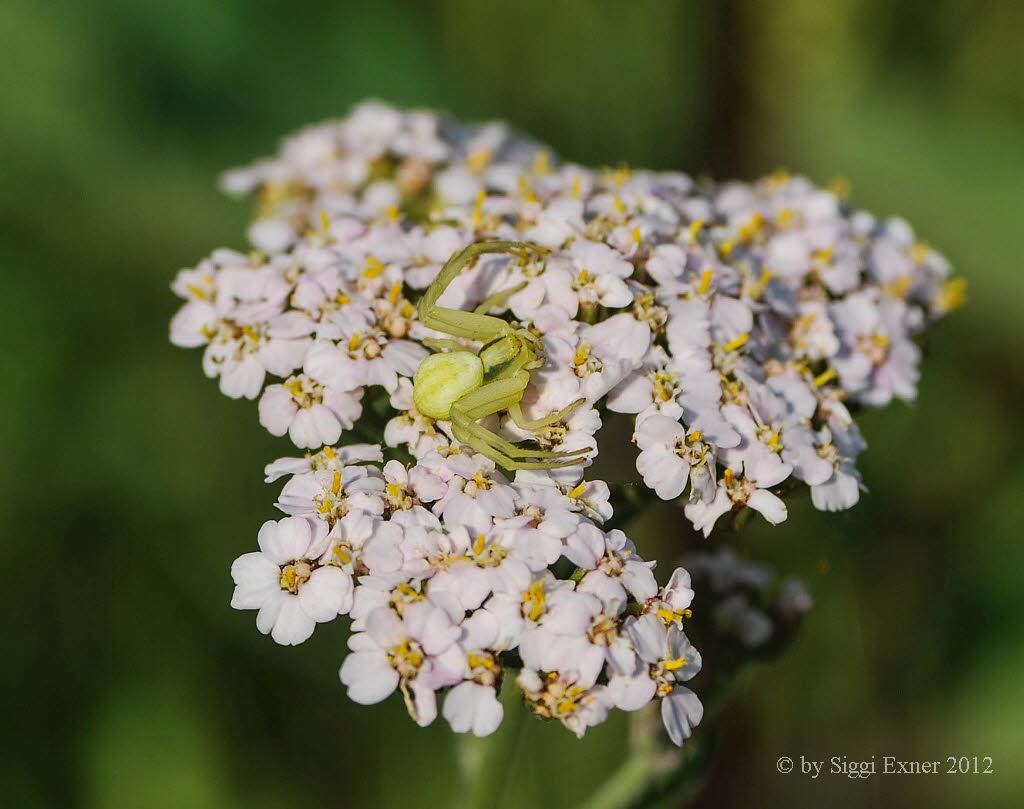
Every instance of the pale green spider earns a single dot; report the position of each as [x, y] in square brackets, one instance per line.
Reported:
[463, 386]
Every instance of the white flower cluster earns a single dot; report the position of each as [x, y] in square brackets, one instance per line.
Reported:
[736, 322]
[446, 572]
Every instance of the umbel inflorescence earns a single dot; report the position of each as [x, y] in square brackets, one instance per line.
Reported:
[739, 324]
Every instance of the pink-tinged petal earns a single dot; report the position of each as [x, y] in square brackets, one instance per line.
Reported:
[770, 506]
[424, 707]
[368, 677]
[324, 363]
[681, 711]
[327, 594]
[285, 540]
[303, 430]
[293, 625]
[385, 627]
[328, 428]
[404, 356]
[649, 637]
[608, 589]
[256, 580]
[639, 580]
[663, 471]
[347, 408]
[631, 395]
[473, 707]
[631, 693]
[585, 547]
[242, 379]
[282, 357]
[191, 324]
[277, 409]
[269, 612]
[613, 293]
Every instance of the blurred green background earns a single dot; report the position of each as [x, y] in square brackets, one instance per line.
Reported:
[129, 483]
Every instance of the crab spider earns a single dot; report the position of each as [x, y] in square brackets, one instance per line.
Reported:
[463, 386]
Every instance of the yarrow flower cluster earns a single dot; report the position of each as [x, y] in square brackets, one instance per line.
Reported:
[739, 324]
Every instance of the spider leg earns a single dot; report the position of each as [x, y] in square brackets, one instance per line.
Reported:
[441, 343]
[472, 438]
[492, 397]
[516, 412]
[456, 322]
[498, 297]
[462, 424]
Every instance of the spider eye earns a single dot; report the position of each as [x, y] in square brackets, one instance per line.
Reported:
[443, 379]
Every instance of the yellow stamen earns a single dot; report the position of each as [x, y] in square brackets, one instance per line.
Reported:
[481, 481]
[619, 206]
[355, 341]
[672, 665]
[840, 186]
[396, 291]
[728, 475]
[576, 492]
[757, 290]
[373, 267]
[577, 187]
[409, 592]
[393, 213]
[695, 435]
[294, 387]
[919, 252]
[897, 288]
[288, 578]
[693, 230]
[478, 160]
[620, 175]
[705, 282]
[824, 255]
[478, 544]
[738, 342]
[636, 235]
[336, 482]
[751, 228]
[478, 208]
[325, 221]
[785, 217]
[534, 599]
[583, 277]
[825, 377]
[953, 294]
[542, 162]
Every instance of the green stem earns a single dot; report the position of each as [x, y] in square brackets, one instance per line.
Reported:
[625, 783]
[644, 762]
[486, 763]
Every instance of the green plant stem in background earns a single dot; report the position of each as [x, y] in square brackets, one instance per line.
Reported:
[485, 763]
[644, 761]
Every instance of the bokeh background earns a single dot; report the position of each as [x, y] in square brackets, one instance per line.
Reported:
[129, 483]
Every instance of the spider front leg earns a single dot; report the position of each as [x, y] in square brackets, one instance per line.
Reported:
[516, 412]
[502, 394]
[471, 325]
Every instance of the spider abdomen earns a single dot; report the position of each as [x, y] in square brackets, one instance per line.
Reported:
[443, 379]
